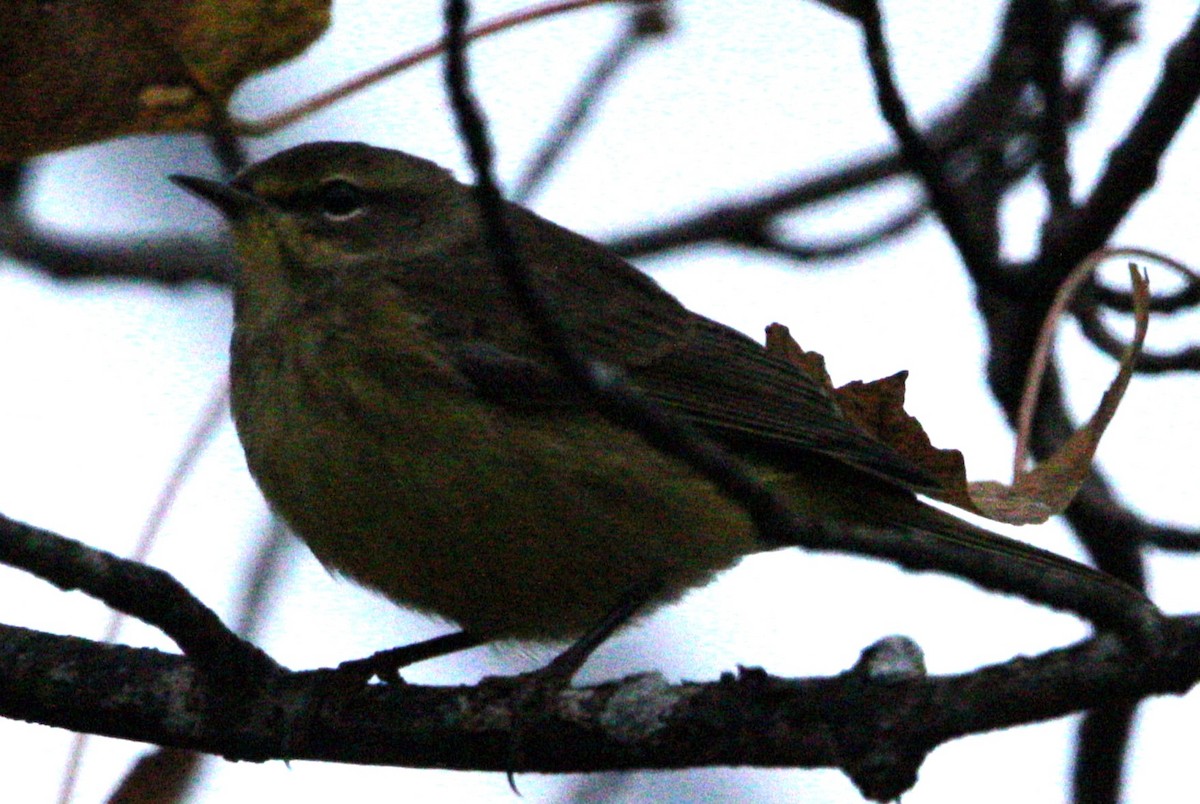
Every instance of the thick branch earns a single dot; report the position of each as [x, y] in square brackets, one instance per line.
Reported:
[750, 719]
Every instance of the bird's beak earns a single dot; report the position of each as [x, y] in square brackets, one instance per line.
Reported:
[233, 202]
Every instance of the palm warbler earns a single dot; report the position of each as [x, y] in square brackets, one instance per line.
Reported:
[399, 413]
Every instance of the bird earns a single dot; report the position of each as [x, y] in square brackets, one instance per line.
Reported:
[401, 414]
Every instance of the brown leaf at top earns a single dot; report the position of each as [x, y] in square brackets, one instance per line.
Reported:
[781, 344]
[877, 408]
[86, 70]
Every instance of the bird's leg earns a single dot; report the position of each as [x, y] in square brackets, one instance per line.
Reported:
[536, 690]
[332, 688]
[386, 664]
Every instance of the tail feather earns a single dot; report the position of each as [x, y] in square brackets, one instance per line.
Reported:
[867, 516]
[1008, 565]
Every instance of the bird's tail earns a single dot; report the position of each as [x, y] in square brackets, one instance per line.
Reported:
[922, 537]
[869, 517]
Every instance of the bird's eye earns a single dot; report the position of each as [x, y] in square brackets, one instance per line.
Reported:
[340, 200]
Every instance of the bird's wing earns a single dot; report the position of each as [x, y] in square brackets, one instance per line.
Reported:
[715, 377]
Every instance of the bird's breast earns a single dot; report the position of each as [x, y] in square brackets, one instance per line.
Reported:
[522, 524]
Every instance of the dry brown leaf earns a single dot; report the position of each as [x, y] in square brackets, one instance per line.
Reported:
[86, 70]
[781, 344]
[877, 408]
[1048, 488]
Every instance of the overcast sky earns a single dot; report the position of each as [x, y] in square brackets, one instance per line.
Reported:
[109, 379]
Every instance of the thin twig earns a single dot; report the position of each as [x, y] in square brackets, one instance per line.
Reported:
[1132, 167]
[1098, 334]
[1049, 37]
[266, 125]
[615, 397]
[1185, 298]
[920, 157]
[579, 109]
[767, 239]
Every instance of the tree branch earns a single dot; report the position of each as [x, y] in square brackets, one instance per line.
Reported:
[873, 723]
[141, 591]
[1132, 167]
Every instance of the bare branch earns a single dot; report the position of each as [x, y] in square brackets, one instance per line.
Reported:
[1132, 167]
[645, 22]
[149, 594]
[946, 202]
[875, 724]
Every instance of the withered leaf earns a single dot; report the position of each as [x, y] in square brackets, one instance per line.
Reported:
[877, 408]
[78, 71]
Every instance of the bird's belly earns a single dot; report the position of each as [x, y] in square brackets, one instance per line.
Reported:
[511, 524]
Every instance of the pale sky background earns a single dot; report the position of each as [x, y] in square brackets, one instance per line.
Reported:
[105, 381]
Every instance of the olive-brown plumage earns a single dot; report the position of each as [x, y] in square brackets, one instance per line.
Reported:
[398, 412]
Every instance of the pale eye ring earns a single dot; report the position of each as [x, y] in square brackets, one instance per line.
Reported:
[339, 200]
